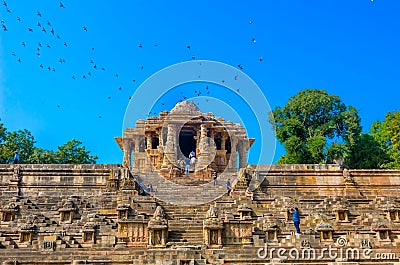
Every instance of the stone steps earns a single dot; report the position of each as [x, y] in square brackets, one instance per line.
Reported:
[173, 193]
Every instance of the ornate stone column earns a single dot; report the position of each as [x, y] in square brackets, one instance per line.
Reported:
[223, 140]
[149, 139]
[232, 160]
[204, 148]
[170, 146]
[242, 153]
[127, 145]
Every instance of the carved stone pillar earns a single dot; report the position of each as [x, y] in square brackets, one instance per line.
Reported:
[170, 146]
[127, 145]
[223, 140]
[233, 157]
[242, 154]
[149, 139]
[204, 147]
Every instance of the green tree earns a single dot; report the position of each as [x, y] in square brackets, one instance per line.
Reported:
[23, 142]
[42, 156]
[72, 152]
[315, 127]
[387, 134]
[367, 154]
[20, 141]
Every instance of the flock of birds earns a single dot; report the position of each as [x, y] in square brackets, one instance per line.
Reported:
[46, 27]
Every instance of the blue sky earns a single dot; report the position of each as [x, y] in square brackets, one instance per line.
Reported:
[349, 48]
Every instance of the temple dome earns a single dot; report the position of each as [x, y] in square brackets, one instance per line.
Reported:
[186, 108]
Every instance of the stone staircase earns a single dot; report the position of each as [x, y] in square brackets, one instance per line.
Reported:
[185, 233]
[174, 193]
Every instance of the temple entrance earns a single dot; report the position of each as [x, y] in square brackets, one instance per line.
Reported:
[187, 143]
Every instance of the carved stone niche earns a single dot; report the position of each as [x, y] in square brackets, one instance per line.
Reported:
[271, 229]
[341, 213]
[325, 231]
[67, 212]
[9, 212]
[392, 212]
[89, 233]
[158, 229]
[244, 212]
[212, 228]
[26, 233]
[123, 211]
[382, 230]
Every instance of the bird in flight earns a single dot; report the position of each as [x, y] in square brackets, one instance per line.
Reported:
[39, 25]
[4, 27]
[140, 45]
[52, 31]
[19, 60]
[39, 14]
[188, 47]
[261, 59]
[44, 30]
[41, 66]
[30, 29]
[62, 5]
[240, 66]
[4, 3]
[19, 19]
[48, 23]
[253, 40]
[85, 28]
[23, 44]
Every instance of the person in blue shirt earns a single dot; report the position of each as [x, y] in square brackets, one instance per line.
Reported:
[16, 158]
[296, 220]
[228, 186]
[215, 177]
[187, 163]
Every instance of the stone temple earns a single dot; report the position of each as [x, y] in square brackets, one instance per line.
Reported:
[106, 214]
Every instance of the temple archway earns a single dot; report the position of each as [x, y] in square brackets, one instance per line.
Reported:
[187, 141]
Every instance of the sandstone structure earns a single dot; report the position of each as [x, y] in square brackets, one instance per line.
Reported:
[104, 214]
[162, 143]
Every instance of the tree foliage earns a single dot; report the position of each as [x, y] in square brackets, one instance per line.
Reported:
[72, 152]
[315, 127]
[387, 134]
[367, 154]
[22, 141]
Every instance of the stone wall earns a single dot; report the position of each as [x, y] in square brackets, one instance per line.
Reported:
[93, 214]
